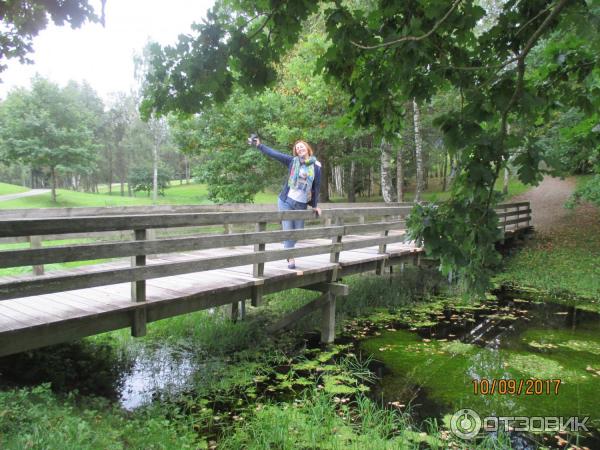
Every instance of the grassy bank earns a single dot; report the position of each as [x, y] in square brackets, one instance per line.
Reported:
[6, 189]
[186, 194]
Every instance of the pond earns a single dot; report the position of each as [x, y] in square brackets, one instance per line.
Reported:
[505, 357]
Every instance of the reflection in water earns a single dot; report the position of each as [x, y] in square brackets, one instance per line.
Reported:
[156, 373]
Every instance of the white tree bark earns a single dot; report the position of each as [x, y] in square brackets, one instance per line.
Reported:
[159, 133]
[338, 177]
[386, 176]
[400, 174]
[351, 182]
[418, 151]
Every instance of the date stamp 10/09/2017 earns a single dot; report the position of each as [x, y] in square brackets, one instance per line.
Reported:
[514, 386]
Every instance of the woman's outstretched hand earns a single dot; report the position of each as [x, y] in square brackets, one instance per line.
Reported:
[254, 140]
[317, 211]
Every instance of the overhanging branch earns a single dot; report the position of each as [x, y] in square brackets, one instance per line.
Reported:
[410, 38]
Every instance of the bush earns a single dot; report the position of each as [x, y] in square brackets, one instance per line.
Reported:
[142, 179]
[586, 192]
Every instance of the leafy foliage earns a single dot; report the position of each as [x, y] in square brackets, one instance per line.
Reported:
[21, 21]
[527, 60]
[141, 179]
[50, 128]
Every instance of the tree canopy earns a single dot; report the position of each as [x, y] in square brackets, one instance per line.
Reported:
[50, 128]
[21, 21]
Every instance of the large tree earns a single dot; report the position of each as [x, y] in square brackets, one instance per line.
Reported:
[48, 128]
[384, 53]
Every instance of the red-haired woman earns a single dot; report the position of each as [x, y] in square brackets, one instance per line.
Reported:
[301, 186]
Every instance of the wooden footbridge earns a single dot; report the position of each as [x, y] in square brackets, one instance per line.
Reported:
[167, 261]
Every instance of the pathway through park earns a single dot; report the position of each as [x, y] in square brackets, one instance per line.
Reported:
[547, 203]
[32, 192]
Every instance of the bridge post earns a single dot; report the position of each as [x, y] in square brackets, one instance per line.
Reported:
[382, 249]
[138, 291]
[336, 242]
[328, 318]
[36, 242]
[258, 269]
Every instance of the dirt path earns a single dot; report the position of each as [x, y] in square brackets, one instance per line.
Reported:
[547, 202]
[4, 198]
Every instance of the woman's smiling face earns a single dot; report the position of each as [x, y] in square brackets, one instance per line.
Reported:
[301, 150]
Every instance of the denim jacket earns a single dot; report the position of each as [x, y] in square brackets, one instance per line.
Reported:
[287, 161]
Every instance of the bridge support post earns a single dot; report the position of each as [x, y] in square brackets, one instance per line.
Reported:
[258, 269]
[328, 318]
[138, 291]
[336, 242]
[382, 250]
[417, 259]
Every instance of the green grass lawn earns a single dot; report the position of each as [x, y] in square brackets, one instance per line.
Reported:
[183, 194]
[186, 194]
[6, 189]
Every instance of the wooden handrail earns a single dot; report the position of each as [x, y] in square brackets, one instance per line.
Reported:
[43, 226]
[84, 211]
[57, 283]
[141, 247]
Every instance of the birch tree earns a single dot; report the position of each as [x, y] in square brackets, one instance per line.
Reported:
[386, 176]
[418, 150]
[400, 174]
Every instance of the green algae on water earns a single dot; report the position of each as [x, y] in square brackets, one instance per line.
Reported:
[447, 372]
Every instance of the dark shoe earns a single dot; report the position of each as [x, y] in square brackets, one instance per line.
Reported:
[291, 263]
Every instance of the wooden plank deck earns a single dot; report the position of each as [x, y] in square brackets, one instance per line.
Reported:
[44, 312]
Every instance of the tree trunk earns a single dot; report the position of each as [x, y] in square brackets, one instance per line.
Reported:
[400, 174]
[110, 172]
[187, 170]
[53, 177]
[418, 151]
[506, 179]
[155, 173]
[444, 171]
[325, 173]
[350, 183]
[453, 170]
[386, 176]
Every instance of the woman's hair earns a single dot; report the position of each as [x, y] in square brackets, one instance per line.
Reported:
[308, 147]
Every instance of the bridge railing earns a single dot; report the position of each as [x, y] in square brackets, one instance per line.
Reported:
[512, 216]
[339, 222]
[140, 247]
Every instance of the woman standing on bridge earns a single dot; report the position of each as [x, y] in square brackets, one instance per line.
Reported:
[301, 186]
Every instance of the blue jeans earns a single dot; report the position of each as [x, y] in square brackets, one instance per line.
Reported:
[290, 205]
